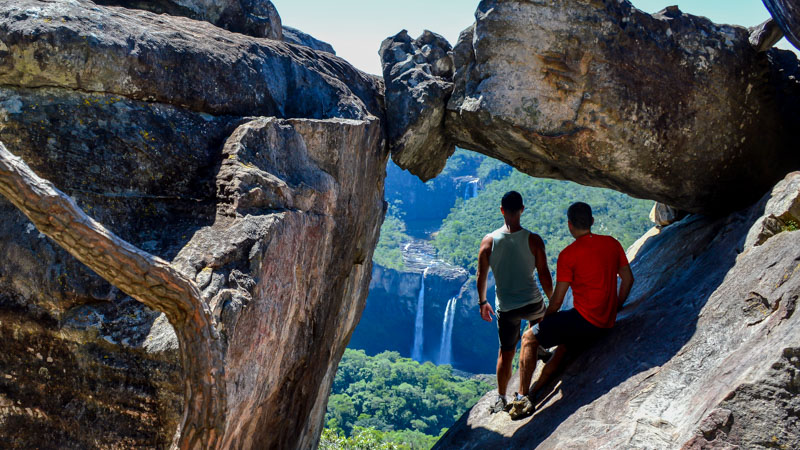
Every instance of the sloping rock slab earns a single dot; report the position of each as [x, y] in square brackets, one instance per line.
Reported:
[295, 36]
[704, 352]
[174, 60]
[669, 106]
[257, 18]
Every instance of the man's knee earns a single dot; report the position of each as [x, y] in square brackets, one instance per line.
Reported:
[506, 357]
[529, 339]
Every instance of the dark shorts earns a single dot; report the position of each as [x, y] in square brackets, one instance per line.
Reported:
[567, 327]
[508, 323]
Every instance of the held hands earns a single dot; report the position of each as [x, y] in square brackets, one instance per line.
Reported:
[487, 312]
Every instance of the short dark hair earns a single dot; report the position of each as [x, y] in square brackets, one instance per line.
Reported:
[580, 215]
[512, 202]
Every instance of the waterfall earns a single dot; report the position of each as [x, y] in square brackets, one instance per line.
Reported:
[471, 189]
[416, 353]
[446, 345]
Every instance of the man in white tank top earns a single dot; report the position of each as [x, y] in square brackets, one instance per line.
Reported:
[513, 253]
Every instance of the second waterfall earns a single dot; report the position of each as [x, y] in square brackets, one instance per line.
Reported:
[446, 344]
[416, 352]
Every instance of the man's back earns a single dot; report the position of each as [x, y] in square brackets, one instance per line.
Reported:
[513, 264]
[590, 265]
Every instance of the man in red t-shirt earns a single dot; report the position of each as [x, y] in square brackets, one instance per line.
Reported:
[590, 266]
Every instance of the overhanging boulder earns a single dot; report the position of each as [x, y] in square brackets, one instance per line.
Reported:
[669, 106]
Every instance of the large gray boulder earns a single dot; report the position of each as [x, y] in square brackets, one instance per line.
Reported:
[173, 60]
[704, 355]
[418, 74]
[295, 36]
[258, 18]
[164, 129]
[669, 106]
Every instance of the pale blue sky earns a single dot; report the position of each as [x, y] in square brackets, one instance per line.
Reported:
[356, 28]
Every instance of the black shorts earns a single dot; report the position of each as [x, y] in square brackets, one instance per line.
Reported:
[567, 327]
[508, 323]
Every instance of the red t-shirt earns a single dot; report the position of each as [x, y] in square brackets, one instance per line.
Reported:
[590, 265]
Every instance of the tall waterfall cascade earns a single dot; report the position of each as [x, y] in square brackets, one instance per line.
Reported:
[416, 352]
[471, 189]
[446, 344]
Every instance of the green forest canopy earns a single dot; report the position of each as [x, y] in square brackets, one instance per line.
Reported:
[390, 393]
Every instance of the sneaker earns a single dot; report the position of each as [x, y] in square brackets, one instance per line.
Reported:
[521, 408]
[500, 404]
[543, 355]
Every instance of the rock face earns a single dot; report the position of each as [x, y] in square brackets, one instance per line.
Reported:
[663, 215]
[704, 355]
[670, 106]
[145, 120]
[295, 36]
[418, 75]
[177, 61]
[787, 14]
[257, 18]
[765, 35]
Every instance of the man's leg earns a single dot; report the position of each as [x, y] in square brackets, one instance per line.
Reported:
[549, 369]
[508, 334]
[504, 366]
[527, 361]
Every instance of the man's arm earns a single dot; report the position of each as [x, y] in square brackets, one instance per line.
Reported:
[537, 248]
[484, 254]
[626, 275]
[558, 298]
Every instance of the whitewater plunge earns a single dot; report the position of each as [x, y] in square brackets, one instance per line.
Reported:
[471, 189]
[446, 343]
[416, 352]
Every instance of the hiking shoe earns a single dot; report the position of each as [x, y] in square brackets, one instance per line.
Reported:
[521, 408]
[543, 355]
[500, 404]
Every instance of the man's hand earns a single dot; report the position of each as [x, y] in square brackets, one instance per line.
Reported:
[625, 287]
[558, 298]
[487, 312]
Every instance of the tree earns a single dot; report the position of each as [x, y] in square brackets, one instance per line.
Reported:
[144, 277]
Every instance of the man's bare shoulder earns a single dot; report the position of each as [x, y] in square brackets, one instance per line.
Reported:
[535, 240]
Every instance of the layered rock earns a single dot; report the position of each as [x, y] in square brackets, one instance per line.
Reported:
[297, 37]
[787, 15]
[663, 215]
[148, 122]
[177, 61]
[669, 106]
[704, 355]
[418, 75]
[257, 18]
